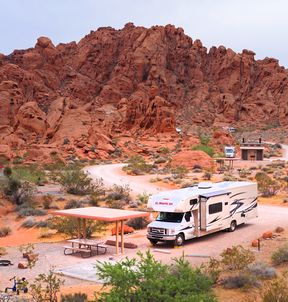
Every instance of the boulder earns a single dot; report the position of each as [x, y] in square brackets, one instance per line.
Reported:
[267, 235]
[189, 159]
[22, 265]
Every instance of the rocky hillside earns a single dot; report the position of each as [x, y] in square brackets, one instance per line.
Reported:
[75, 98]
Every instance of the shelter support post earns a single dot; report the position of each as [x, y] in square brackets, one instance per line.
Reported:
[84, 228]
[117, 239]
[122, 237]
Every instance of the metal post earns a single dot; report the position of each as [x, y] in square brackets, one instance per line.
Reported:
[122, 237]
[84, 228]
[117, 241]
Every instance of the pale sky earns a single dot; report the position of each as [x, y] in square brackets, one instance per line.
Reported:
[258, 25]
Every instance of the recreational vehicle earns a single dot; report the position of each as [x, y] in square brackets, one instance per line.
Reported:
[229, 151]
[200, 210]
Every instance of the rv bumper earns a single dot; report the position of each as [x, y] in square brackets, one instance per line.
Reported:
[161, 237]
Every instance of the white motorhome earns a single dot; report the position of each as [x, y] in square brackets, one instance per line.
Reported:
[229, 151]
[200, 210]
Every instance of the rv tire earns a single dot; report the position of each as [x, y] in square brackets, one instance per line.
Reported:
[153, 241]
[179, 240]
[232, 226]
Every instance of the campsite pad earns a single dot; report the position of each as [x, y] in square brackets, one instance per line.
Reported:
[84, 271]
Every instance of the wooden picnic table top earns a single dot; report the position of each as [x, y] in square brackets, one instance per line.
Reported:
[85, 241]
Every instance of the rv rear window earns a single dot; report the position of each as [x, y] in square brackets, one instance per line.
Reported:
[215, 208]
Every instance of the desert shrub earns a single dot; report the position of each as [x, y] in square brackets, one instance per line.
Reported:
[213, 269]
[207, 149]
[94, 200]
[73, 204]
[164, 150]
[197, 167]
[146, 279]
[262, 270]
[228, 177]
[116, 204]
[266, 185]
[137, 223]
[207, 175]
[17, 191]
[2, 251]
[69, 226]
[160, 160]
[280, 255]
[119, 192]
[46, 233]
[26, 210]
[45, 287]
[179, 172]
[7, 171]
[137, 165]
[237, 257]
[188, 184]
[241, 280]
[30, 222]
[276, 290]
[143, 198]
[5, 231]
[76, 181]
[78, 297]
[43, 223]
[47, 201]
[204, 139]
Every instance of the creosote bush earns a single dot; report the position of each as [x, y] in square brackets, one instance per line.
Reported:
[262, 270]
[137, 166]
[180, 172]
[266, 185]
[241, 280]
[237, 257]
[78, 297]
[75, 181]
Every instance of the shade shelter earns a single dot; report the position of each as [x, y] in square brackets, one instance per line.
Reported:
[103, 214]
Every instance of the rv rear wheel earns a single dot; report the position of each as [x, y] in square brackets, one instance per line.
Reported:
[153, 241]
[232, 226]
[179, 240]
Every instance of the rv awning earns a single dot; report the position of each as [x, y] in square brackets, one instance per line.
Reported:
[104, 214]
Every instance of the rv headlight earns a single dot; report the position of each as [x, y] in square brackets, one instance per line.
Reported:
[171, 232]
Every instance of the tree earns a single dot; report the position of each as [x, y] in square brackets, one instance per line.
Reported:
[146, 279]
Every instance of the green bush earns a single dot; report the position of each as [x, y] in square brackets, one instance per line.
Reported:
[119, 192]
[146, 279]
[28, 223]
[138, 223]
[7, 171]
[137, 165]
[207, 149]
[237, 258]
[280, 255]
[5, 231]
[78, 297]
[179, 172]
[26, 210]
[143, 198]
[76, 181]
[32, 173]
[116, 204]
[69, 226]
[266, 185]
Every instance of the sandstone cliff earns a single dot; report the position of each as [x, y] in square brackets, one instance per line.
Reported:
[76, 97]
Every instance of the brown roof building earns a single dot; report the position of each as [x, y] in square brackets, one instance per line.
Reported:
[252, 150]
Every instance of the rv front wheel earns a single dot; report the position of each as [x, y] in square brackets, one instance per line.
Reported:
[232, 226]
[153, 241]
[179, 240]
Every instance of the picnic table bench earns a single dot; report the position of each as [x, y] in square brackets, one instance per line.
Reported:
[85, 247]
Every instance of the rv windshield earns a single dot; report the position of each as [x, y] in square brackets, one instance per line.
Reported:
[170, 217]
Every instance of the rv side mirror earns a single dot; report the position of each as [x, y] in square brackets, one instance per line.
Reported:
[193, 201]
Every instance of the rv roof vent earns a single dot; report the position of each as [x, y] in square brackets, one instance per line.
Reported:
[204, 185]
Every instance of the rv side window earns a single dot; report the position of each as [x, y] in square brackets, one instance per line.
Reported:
[215, 208]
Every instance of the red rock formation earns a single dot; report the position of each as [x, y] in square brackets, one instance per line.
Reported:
[77, 96]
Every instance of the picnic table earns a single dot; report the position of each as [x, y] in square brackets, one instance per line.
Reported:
[85, 247]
